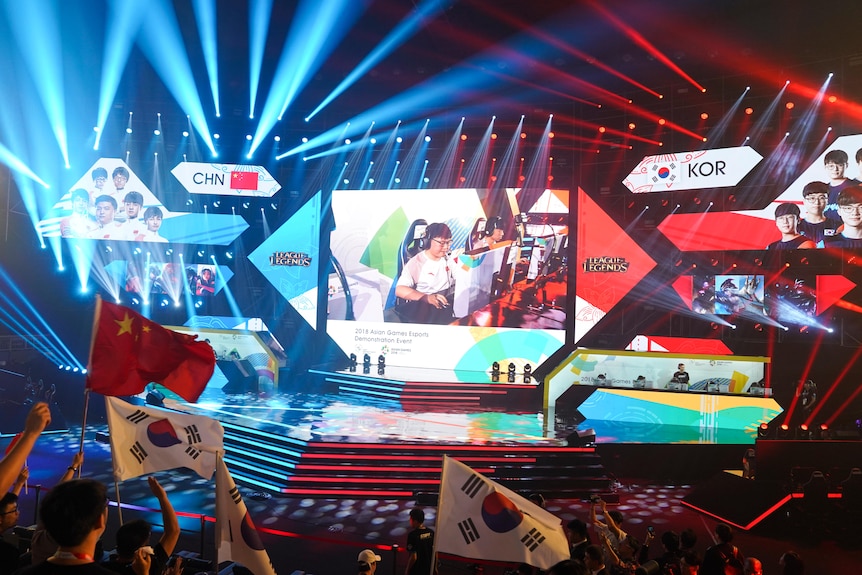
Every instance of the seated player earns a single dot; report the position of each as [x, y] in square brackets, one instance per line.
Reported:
[493, 234]
[426, 283]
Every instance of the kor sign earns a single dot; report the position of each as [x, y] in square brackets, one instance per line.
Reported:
[719, 168]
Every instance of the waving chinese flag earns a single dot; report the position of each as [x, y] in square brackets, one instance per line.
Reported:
[243, 180]
[129, 351]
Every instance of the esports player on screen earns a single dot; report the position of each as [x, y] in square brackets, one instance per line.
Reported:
[79, 223]
[153, 220]
[835, 162]
[206, 283]
[493, 234]
[107, 228]
[787, 220]
[816, 225]
[850, 210]
[426, 284]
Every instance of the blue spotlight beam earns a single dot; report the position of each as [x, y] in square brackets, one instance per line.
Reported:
[405, 29]
[205, 15]
[162, 43]
[124, 20]
[20, 304]
[318, 26]
[11, 160]
[44, 59]
[258, 26]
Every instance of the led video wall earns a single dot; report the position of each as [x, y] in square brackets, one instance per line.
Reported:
[450, 279]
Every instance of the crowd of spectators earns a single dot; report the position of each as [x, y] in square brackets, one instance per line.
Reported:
[604, 547]
[73, 516]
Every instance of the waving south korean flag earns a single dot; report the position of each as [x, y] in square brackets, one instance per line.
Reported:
[481, 519]
[237, 538]
[146, 439]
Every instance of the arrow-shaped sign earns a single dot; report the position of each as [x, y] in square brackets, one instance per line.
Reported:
[719, 168]
[226, 179]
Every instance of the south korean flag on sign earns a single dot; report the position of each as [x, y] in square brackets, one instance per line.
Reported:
[664, 173]
[146, 439]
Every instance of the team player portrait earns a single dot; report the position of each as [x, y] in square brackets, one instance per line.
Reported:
[815, 224]
[850, 210]
[787, 220]
[835, 162]
[79, 223]
[153, 222]
[107, 227]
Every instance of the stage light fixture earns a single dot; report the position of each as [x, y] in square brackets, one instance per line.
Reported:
[704, 116]
[510, 376]
[200, 253]
[427, 138]
[185, 134]
[632, 126]
[216, 136]
[248, 137]
[749, 111]
[528, 373]
[783, 431]
[763, 431]
[352, 365]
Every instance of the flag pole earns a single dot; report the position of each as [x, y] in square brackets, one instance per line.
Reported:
[439, 522]
[96, 316]
[218, 512]
[119, 503]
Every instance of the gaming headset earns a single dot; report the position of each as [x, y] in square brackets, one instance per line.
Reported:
[493, 223]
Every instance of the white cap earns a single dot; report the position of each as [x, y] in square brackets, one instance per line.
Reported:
[368, 556]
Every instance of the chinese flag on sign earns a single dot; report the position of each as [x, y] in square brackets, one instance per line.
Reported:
[129, 351]
[243, 180]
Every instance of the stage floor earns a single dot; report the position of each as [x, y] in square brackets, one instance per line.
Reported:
[361, 417]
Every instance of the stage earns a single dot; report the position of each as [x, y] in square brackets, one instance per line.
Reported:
[383, 433]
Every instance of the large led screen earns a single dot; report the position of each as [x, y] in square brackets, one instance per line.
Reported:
[450, 279]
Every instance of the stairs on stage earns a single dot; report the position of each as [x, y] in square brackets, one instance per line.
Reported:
[401, 470]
